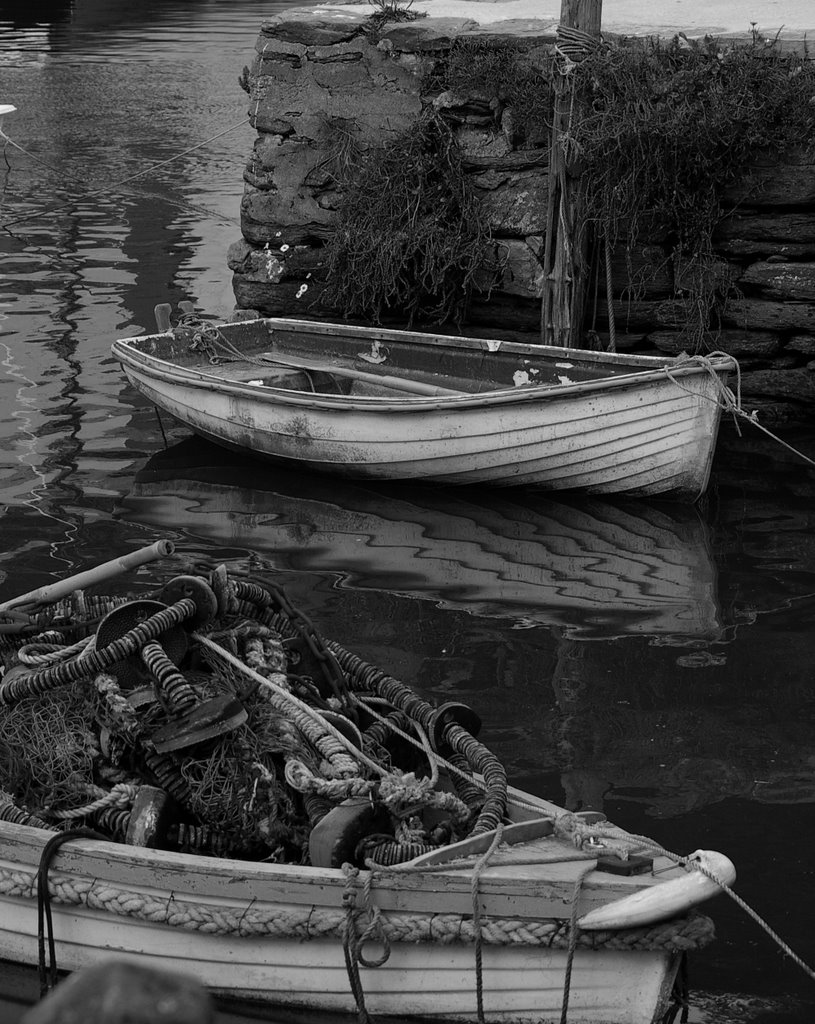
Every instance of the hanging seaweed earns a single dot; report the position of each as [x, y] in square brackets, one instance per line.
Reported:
[666, 129]
[515, 81]
[409, 240]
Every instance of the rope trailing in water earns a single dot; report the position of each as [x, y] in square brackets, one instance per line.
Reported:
[353, 942]
[646, 843]
[107, 188]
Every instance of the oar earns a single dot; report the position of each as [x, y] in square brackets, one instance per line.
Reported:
[522, 832]
[105, 571]
[400, 383]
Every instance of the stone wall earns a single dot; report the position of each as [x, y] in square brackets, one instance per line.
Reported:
[320, 74]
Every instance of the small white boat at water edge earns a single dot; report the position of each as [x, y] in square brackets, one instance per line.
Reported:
[399, 405]
[275, 934]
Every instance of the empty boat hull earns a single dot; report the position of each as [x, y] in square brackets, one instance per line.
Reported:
[643, 430]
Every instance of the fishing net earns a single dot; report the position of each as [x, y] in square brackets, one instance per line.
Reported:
[49, 748]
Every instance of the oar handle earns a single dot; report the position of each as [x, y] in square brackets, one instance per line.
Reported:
[105, 571]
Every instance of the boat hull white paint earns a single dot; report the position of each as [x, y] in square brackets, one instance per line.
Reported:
[650, 429]
[438, 982]
[273, 933]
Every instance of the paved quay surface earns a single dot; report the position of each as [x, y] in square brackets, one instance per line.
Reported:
[792, 20]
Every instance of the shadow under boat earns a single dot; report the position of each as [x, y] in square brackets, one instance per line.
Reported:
[594, 568]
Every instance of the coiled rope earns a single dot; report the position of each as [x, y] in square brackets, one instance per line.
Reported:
[91, 661]
[120, 797]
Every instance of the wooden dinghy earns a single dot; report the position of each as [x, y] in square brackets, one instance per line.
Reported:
[398, 405]
[596, 568]
[293, 826]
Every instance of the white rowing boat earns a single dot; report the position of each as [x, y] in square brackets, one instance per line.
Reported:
[397, 405]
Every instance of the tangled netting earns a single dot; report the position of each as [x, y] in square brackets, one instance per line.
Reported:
[212, 717]
[409, 239]
[48, 747]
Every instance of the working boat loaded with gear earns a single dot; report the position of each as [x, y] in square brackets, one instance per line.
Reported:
[195, 778]
[371, 403]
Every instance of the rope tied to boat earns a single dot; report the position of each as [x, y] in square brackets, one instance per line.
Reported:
[574, 933]
[726, 399]
[478, 870]
[354, 938]
[210, 341]
[580, 833]
[696, 865]
[45, 925]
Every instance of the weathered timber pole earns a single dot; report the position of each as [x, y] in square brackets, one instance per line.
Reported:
[565, 244]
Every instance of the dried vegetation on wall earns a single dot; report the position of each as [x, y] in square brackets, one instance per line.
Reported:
[400, 173]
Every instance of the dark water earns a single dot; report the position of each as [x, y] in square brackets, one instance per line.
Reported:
[652, 661]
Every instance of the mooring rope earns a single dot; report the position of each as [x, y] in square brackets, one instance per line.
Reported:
[726, 399]
[612, 324]
[107, 188]
[350, 944]
[650, 844]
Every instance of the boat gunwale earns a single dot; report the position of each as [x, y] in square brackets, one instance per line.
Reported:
[194, 877]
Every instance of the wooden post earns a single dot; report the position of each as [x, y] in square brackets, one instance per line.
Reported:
[564, 254]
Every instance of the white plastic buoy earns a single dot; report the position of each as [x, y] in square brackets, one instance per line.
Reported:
[5, 108]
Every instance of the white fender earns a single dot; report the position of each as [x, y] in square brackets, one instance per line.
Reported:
[664, 899]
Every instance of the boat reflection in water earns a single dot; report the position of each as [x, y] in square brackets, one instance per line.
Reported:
[595, 568]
